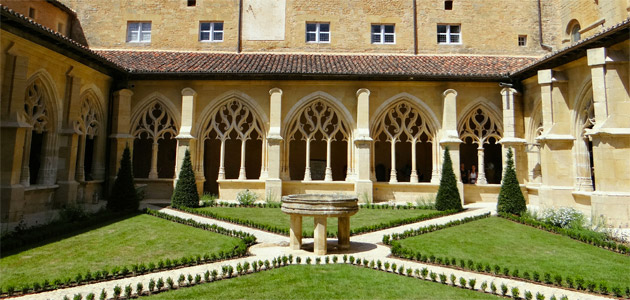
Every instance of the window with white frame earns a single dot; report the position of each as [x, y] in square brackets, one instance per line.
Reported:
[449, 34]
[139, 32]
[211, 31]
[318, 32]
[383, 34]
[522, 40]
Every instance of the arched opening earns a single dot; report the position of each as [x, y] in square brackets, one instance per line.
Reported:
[38, 137]
[480, 153]
[88, 129]
[585, 179]
[573, 31]
[154, 133]
[403, 144]
[318, 143]
[233, 139]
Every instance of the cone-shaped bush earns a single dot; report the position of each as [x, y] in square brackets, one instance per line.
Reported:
[448, 195]
[185, 194]
[511, 198]
[124, 195]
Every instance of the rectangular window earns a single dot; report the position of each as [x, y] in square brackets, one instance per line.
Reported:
[31, 13]
[449, 34]
[522, 40]
[60, 28]
[383, 34]
[191, 2]
[139, 32]
[448, 5]
[211, 31]
[318, 32]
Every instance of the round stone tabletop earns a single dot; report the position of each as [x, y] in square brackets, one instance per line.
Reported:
[328, 205]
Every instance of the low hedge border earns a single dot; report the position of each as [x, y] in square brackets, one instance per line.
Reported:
[577, 283]
[143, 268]
[285, 231]
[576, 235]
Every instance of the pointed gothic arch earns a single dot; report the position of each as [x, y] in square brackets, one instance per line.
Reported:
[154, 127]
[90, 127]
[480, 125]
[322, 124]
[583, 121]
[534, 130]
[402, 120]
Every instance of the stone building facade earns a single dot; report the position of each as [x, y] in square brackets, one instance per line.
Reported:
[293, 96]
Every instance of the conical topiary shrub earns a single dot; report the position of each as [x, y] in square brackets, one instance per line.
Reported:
[448, 195]
[185, 194]
[124, 195]
[511, 198]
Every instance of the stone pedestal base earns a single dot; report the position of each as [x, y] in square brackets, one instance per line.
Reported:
[319, 236]
[296, 232]
[343, 233]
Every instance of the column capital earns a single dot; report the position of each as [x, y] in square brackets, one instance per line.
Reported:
[508, 91]
[189, 92]
[123, 92]
[275, 91]
[596, 56]
[449, 91]
[363, 90]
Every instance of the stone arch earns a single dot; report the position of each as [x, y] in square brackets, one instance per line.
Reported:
[42, 111]
[318, 119]
[481, 125]
[404, 120]
[584, 120]
[234, 123]
[90, 126]
[155, 124]
[534, 130]
[572, 31]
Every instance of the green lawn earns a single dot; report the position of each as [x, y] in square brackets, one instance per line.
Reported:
[508, 244]
[138, 239]
[322, 282]
[275, 217]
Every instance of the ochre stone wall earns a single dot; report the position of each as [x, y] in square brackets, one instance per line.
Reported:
[45, 13]
[593, 16]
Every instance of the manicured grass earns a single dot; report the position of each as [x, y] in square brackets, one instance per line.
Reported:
[322, 282]
[508, 244]
[139, 239]
[275, 217]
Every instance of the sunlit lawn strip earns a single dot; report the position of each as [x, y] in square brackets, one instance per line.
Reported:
[496, 241]
[274, 217]
[322, 282]
[139, 239]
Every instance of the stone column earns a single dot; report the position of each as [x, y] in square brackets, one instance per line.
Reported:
[13, 131]
[450, 136]
[319, 236]
[121, 125]
[363, 145]
[597, 62]
[185, 140]
[71, 146]
[343, 233]
[296, 232]
[511, 137]
[273, 183]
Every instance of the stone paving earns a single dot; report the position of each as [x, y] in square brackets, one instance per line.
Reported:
[365, 246]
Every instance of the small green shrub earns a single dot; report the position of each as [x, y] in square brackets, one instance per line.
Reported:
[139, 288]
[443, 278]
[453, 279]
[515, 293]
[540, 296]
[504, 289]
[484, 286]
[472, 282]
[246, 197]
[462, 282]
[493, 287]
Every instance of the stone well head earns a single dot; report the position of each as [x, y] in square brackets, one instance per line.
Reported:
[325, 205]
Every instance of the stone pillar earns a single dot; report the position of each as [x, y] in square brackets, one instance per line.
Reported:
[511, 137]
[296, 232]
[343, 233]
[319, 236]
[185, 140]
[273, 183]
[71, 171]
[121, 124]
[450, 136]
[363, 145]
[481, 165]
[13, 131]
[597, 62]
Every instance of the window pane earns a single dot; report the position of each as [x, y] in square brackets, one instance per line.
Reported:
[311, 37]
[218, 26]
[454, 28]
[146, 37]
[205, 26]
[311, 27]
[376, 28]
[324, 27]
[441, 28]
[132, 36]
[454, 38]
[324, 37]
[389, 38]
[389, 28]
[441, 38]
[146, 26]
[218, 36]
[133, 26]
[205, 36]
[376, 38]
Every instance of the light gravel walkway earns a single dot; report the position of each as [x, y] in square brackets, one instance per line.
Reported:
[366, 246]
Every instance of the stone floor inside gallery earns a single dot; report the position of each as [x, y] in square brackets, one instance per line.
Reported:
[365, 246]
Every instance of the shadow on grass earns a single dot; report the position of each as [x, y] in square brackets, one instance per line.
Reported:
[78, 228]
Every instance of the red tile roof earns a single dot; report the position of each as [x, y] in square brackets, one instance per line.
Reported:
[143, 62]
